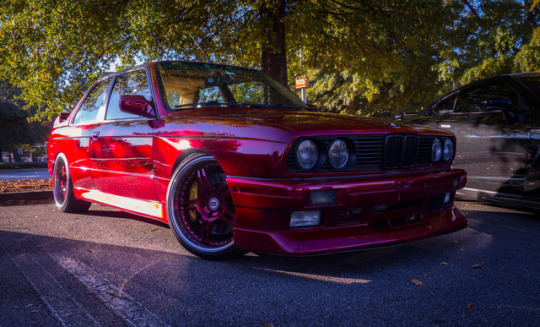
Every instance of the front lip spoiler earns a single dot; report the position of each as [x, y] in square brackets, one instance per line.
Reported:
[346, 238]
[366, 248]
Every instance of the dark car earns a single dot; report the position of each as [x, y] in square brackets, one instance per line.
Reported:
[497, 126]
[234, 161]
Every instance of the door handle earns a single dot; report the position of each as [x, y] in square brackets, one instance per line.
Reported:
[94, 135]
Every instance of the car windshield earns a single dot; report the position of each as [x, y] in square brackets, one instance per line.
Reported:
[192, 85]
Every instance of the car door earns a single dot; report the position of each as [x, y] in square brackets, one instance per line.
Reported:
[122, 144]
[491, 144]
[76, 136]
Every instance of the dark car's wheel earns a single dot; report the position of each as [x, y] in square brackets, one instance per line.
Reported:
[200, 208]
[63, 188]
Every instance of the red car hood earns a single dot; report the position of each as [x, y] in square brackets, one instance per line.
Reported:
[301, 123]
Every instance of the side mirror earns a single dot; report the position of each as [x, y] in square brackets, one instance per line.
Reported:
[498, 104]
[137, 105]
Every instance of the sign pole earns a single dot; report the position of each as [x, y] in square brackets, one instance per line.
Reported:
[302, 83]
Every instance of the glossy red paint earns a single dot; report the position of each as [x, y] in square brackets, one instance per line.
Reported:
[130, 164]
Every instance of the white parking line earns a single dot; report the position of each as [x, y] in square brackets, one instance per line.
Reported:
[62, 305]
[125, 306]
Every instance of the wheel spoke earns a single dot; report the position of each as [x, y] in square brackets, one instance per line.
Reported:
[228, 217]
[204, 182]
[224, 189]
[206, 230]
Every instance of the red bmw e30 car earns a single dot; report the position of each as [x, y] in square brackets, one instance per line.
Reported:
[234, 161]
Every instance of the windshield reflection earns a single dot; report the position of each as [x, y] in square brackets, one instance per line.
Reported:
[192, 85]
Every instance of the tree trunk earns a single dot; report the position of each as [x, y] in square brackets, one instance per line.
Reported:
[274, 54]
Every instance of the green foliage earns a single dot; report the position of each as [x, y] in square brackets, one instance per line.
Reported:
[368, 57]
[16, 129]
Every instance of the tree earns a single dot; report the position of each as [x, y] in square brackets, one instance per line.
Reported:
[16, 129]
[491, 37]
[383, 56]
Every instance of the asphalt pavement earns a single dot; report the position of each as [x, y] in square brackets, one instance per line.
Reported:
[110, 268]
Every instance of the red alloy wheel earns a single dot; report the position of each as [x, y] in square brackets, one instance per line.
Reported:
[200, 208]
[60, 182]
[63, 188]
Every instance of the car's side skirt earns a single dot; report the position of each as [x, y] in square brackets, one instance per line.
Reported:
[147, 208]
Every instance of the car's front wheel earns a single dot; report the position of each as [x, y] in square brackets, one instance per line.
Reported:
[200, 208]
[63, 188]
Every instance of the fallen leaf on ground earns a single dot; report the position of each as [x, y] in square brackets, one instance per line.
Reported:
[417, 282]
[469, 305]
[25, 185]
[478, 266]
[443, 264]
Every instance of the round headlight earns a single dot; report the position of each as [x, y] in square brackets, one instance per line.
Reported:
[338, 154]
[448, 151]
[307, 154]
[436, 150]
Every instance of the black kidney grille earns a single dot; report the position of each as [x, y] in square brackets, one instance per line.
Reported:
[379, 152]
[400, 151]
[392, 151]
[410, 151]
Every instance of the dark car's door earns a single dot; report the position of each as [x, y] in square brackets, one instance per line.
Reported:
[491, 143]
[122, 144]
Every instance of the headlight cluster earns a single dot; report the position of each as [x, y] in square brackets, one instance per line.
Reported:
[442, 150]
[311, 153]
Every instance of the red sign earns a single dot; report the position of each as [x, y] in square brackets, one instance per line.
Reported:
[301, 82]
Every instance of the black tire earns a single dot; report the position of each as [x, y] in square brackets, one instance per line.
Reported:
[200, 208]
[63, 188]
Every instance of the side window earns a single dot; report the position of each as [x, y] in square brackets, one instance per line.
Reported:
[132, 83]
[446, 106]
[474, 99]
[89, 109]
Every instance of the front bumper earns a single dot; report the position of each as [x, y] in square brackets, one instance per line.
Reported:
[368, 211]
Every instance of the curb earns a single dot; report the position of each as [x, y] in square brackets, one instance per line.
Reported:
[25, 197]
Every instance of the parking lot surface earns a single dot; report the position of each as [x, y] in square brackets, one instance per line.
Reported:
[110, 268]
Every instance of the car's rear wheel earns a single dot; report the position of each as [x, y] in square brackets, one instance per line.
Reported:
[63, 188]
[200, 208]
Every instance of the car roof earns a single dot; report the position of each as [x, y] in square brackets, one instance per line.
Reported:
[108, 75]
[515, 77]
